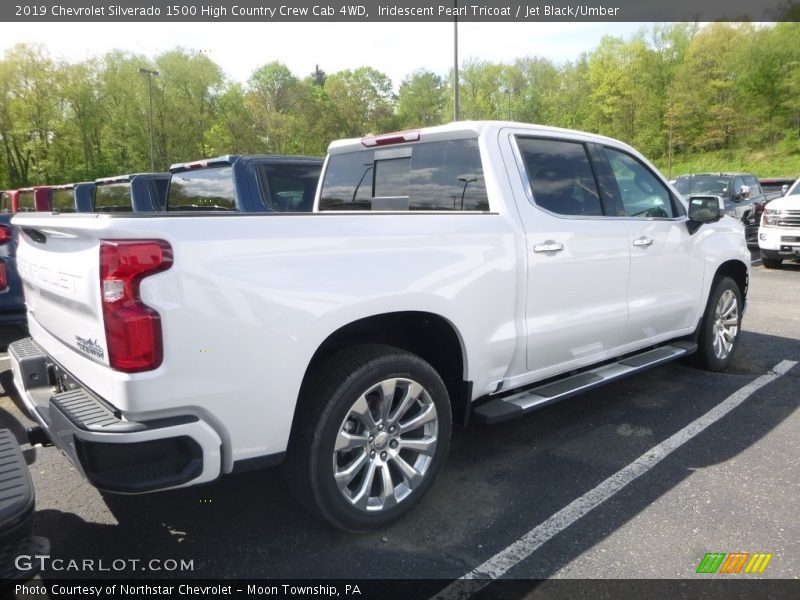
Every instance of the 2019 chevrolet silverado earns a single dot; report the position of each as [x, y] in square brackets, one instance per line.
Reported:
[478, 270]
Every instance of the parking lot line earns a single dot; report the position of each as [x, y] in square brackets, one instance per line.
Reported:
[499, 564]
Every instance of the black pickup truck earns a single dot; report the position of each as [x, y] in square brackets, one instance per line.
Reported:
[741, 193]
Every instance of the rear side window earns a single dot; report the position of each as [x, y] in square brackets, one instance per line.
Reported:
[62, 200]
[5, 203]
[202, 189]
[429, 176]
[26, 202]
[642, 193]
[113, 197]
[288, 188]
[560, 176]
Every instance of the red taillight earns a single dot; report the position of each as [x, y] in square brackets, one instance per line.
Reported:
[5, 235]
[133, 329]
[3, 277]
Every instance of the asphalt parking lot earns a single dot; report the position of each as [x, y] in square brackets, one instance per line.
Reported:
[732, 487]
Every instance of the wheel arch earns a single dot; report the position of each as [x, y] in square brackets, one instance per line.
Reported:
[430, 336]
[736, 270]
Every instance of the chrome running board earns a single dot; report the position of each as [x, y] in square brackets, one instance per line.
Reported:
[520, 403]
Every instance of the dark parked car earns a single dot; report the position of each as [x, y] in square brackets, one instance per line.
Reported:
[741, 193]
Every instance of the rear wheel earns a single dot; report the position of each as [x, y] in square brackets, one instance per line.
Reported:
[721, 325]
[373, 430]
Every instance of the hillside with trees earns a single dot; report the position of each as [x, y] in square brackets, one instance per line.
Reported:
[690, 98]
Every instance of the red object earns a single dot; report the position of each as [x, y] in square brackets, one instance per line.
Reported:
[133, 329]
[3, 277]
[14, 200]
[391, 138]
[41, 197]
[5, 237]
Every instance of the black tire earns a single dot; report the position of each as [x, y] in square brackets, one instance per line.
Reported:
[771, 263]
[327, 413]
[709, 344]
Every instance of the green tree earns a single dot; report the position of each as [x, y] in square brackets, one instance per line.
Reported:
[362, 100]
[420, 102]
[185, 102]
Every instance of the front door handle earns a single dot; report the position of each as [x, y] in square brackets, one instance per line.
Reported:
[549, 246]
[643, 241]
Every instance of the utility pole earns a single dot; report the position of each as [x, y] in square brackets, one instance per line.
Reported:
[455, 62]
[150, 74]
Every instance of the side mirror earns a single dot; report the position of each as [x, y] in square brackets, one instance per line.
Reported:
[784, 189]
[704, 209]
[745, 192]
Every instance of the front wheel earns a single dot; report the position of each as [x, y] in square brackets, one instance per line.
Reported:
[373, 430]
[721, 325]
[771, 263]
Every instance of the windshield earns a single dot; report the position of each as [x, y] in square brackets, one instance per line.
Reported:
[795, 189]
[703, 184]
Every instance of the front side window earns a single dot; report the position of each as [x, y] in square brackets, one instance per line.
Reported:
[751, 182]
[428, 176]
[202, 189]
[560, 177]
[740, 191]
[642, 193]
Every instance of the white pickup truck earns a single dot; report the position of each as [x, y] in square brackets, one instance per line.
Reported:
[779, 234]
[475, 270]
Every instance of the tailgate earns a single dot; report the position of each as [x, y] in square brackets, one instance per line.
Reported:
[59, 260]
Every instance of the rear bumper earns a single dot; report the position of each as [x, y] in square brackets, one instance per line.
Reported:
[16, 513]
[112, 452]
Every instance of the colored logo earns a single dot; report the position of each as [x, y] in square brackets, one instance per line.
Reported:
[734, 562]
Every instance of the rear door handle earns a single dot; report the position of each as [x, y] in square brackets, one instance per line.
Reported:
[643, 241]
[549, 246]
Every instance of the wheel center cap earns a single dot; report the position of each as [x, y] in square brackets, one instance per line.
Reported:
[381, 440]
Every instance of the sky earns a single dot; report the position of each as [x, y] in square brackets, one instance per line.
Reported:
[396, 49]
